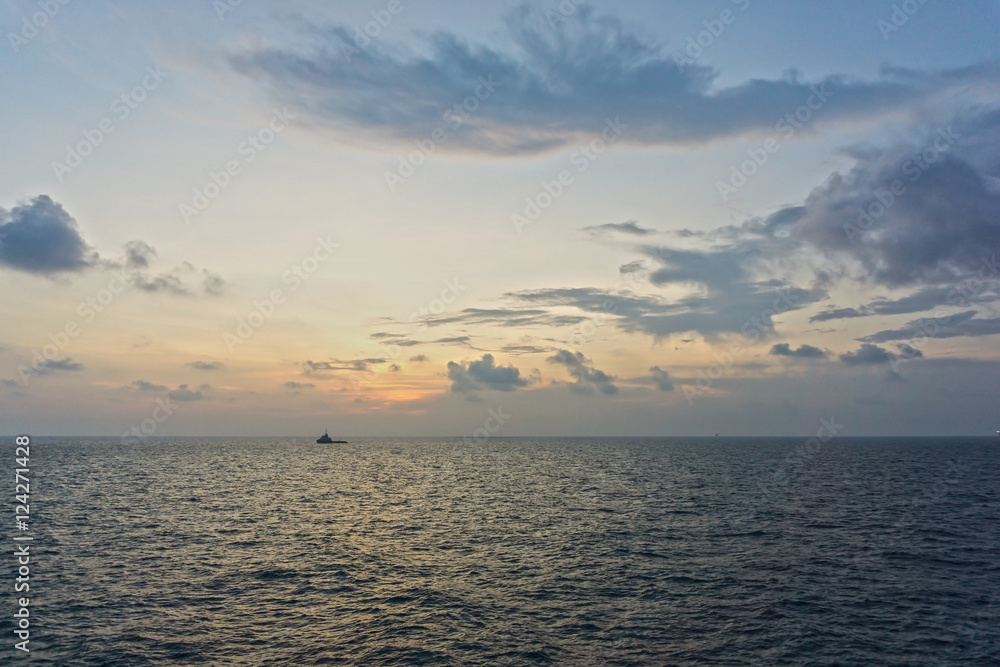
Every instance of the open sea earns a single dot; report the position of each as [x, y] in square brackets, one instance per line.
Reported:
[674, 551]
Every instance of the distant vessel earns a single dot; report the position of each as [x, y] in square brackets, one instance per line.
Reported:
[325, 440]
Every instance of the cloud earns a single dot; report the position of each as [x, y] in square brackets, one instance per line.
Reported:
[206, 365]
[484, 375]
[213, 284]
[504, 317]
[630, 227]
[183, 394]
[337, 365]
[518, 350]
[920, 213]
[42, 238]
[142, 385]
[662, 379]
[587, 377]
[57, 366]
[963, 324]
[637, 266]
[173, 283]
[299, 385]
[923, 300]
[837, 314]
[872, 355]
[551, 88]
[395, 368]
[726, 308]
[453, 340]
[169, 283]
[419, 359]
[138, 254]
[804, 351]
[177, 281]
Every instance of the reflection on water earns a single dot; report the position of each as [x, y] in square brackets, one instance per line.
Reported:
[514, 552]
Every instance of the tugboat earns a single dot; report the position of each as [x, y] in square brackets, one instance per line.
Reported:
[325, 440]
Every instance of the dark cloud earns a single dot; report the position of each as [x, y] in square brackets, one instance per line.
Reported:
[923, 300]
[953, 326]
[138, 254]
[553, 87]
[637, 266]
[185, 395]
[484, 374]
[867, 355]
[213, 284]
[168, 283]
[505, 317]
[336, 365]
[803, 352]
[57, 366]
[525, 349]
[419, 359]
[299, 385]
[921, 213]
[395, 368]
[42, 238]
[662, 379]
[453, 340]
[142, 385]
[207, 365]
[837, 314]
[726, 306]
[630, 227]
[872, 355]
[587, 377]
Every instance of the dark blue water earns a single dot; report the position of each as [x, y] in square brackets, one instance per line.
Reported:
[512, 552]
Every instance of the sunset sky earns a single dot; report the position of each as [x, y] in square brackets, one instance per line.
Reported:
[443, 218]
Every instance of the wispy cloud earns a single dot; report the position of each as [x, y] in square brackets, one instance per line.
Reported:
[555, 86]
[207, 365]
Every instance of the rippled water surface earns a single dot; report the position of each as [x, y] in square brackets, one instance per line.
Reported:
[514, 552]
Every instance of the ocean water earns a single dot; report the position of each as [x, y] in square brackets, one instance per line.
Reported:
[512, 552]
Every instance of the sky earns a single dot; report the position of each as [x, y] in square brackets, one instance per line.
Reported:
[505, 219]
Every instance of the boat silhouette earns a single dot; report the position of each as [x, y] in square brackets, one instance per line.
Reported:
[325, 440]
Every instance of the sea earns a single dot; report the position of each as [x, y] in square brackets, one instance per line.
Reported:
[577, 551]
